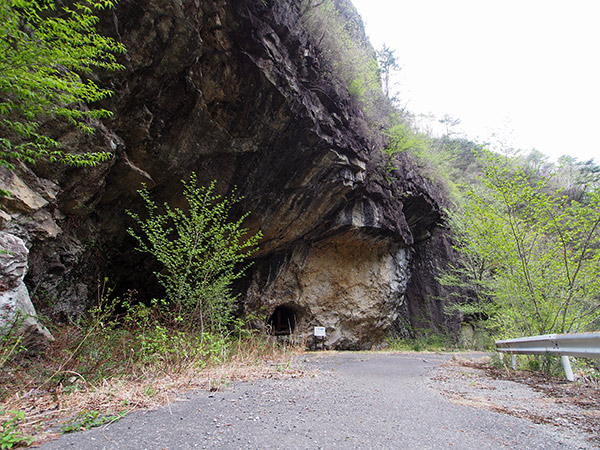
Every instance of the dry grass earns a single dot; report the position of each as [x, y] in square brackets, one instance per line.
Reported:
[534, 396]
[50, 393]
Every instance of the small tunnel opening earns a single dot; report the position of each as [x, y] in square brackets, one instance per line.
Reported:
[283, 321]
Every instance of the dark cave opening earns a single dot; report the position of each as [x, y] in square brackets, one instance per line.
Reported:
[283, 321]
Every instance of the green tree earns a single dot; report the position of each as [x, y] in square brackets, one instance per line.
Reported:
[202, 252]
[449, 123]
[401, 137]
[533, 256]
[387, 63]
[577, 178]
[48, 51]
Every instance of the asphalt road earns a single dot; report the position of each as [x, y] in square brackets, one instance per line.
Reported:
[355, 401]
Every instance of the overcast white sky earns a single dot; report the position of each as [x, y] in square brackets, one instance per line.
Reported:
[526, 69]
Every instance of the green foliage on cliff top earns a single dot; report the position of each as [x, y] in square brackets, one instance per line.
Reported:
[346, 53]
[47, 50]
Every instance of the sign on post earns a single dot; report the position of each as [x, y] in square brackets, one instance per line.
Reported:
[319, 333]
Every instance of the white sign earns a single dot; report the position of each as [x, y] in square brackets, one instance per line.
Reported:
[319, 331]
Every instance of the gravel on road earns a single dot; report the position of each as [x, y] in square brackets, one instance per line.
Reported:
[346, 401]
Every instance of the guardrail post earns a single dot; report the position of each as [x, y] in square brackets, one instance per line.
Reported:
[513, 360]
[579, 345]
[567, 366]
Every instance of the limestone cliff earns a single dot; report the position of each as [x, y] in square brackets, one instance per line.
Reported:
[235, 90]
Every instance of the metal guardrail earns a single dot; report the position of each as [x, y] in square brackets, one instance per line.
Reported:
[586, 345]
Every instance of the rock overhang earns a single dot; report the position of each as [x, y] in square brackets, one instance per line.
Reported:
[233, 91]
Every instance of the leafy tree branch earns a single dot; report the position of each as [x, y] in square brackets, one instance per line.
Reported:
[48, 51]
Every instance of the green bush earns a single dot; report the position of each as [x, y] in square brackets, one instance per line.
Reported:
[202, 251]
[428, 342]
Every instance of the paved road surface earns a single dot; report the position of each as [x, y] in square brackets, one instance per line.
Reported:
[357, 401]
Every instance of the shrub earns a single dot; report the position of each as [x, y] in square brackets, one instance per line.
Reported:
[10, 436]
[201, 250]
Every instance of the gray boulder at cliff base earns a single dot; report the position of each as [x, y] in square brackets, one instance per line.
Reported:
[17, 314]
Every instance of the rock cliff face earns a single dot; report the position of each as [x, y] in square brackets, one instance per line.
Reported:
[235, 91]
[17, 314]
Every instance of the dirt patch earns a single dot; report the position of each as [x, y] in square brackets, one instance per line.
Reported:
[572, 407]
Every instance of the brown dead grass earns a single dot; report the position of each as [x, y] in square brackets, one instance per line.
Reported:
[49, 404]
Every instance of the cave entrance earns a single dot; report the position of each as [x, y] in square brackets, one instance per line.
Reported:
[283, 321]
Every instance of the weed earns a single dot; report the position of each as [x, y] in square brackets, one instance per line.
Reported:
[133, 360]
[283, 367]
[10, 436]
[434, 343]
[498, 360]
[132, 363]
[10, 347]
[588, 371]
[86, 420]
[546, 363]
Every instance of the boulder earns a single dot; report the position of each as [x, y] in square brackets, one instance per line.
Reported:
[17, 314]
